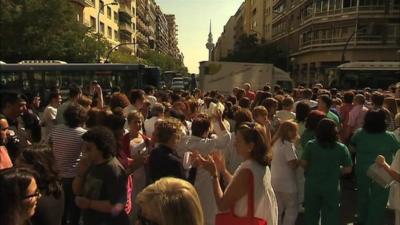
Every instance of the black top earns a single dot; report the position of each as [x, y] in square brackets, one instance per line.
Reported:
[107, 182]
[165, 162]
[49, 210]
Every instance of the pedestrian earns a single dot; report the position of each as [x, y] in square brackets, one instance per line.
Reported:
[5, 161]
[369, 142]
[324, 161]
[283, 172]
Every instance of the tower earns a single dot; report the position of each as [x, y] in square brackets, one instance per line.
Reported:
[210, 45]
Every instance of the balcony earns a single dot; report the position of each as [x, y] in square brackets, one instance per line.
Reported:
[85, 3]
[125, 9]
[126, 27]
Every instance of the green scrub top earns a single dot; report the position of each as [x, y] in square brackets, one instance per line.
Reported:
[369, 145]
[333, 117]
[324, 164]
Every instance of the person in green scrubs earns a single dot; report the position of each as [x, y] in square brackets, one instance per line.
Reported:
[369, 142]
[312, 121]
[324, 160]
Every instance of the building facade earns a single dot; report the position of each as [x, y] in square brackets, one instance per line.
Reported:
[161, 32]
[319, 35]
[172, 36]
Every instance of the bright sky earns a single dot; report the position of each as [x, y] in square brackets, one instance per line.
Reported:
[193, 19]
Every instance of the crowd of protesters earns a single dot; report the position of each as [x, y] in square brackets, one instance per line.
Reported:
[179, 158]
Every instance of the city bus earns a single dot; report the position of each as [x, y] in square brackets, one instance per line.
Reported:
[39, 76]
[358, 75]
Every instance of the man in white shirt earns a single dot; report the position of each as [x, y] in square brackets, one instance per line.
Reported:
[286, 113]
[157, 112]
[49, 116]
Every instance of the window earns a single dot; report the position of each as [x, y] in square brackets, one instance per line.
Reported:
[133, 26]
[349, 3]
[93, 22]
[101, 6]
[108, 12]
[115, 17]
[94, 3]
[109, 32]
[116, 37]
[133, 10]
[102, 27]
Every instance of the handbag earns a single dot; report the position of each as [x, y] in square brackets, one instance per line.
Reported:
[229, 218]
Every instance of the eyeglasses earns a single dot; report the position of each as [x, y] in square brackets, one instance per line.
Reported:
[143, 220]
[36, 194]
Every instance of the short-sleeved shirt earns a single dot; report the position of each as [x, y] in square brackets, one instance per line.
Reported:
[333, 117]
[283, 177]
[105, 182]
[324, 163]
[369, 145]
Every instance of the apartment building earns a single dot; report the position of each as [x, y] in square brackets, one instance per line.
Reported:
[172, 36]
[161, 32]
[127, 25]
[319, 35]
[104, 21]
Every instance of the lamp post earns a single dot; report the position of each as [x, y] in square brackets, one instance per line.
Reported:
[98, 26]
[115, 47]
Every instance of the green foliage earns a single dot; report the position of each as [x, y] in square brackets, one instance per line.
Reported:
[122, 57]
[247, 49]
[45, 29]
[165, 62]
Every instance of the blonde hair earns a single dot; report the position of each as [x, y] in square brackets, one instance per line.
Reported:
[283, 131]
[260, 111]
[173, 201]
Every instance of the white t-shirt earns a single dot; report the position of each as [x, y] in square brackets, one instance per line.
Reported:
[282, 176]
[149, 126]
[48, 122]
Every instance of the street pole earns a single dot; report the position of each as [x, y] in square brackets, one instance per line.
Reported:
[98, 26]
[115, 47]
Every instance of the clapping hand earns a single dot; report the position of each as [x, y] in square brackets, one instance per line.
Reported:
[380, 160]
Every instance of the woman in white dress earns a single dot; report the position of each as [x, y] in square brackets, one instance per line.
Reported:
[251, 146]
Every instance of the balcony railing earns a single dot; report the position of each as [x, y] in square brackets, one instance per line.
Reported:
[126, 27]
[85, 3]
[123, 8]
[334, 42]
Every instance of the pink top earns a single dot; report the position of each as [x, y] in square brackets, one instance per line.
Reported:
[356, 117]
[5, 161]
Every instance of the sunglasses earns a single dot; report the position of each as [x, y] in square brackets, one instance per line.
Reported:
[36, 194]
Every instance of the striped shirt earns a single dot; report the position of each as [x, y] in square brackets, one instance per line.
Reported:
[66, 145]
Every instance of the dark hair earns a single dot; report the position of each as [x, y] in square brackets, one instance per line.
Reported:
[200, 125]
[326, 99]
[241, 116]
[148, 89]
[348, 97]
[254, 133]
[313, 119]
[374, 121]
[302, 111]
[135, 94]
[307, 93]
[377, 99]
[326, 133]
[74, 90]
[11, 98]
[14, 183]
[42, 160]
[104, 140]
[119, 100]
[74, 115]
[54, 95]
[244, 102]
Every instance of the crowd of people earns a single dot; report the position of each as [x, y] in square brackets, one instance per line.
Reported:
[181, 158]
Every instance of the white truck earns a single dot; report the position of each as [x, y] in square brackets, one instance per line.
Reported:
[224, 76]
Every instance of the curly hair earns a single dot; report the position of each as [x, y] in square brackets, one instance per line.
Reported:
[104, 140]
[166, 129]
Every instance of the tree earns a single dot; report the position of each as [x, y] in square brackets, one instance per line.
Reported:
[45, 29]
[122, 57]
[247, 49]
[165, 62]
